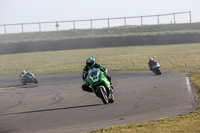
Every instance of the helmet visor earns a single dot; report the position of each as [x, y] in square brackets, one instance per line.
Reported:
[89, 64]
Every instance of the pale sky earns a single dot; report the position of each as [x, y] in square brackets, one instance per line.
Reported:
[27, 11]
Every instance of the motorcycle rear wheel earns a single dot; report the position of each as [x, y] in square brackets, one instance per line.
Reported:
[157, 71]
[35, 81]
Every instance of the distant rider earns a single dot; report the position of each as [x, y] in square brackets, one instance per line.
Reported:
[23, 74]
[90, 63]
[151, 63]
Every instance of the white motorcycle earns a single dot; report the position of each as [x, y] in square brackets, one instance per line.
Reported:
[156, 69]
[28, 78]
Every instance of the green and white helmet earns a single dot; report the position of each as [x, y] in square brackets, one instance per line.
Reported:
[90, 62]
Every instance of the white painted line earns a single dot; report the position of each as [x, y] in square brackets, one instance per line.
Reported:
[189, 87]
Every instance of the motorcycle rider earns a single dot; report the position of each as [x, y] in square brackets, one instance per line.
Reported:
[90, 63]
[151, 63]
[23, 74]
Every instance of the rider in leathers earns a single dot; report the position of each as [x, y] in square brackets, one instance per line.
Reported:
[151, 63]
[23, 74]
[90, 63]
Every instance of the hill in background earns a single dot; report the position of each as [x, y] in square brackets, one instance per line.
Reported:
[95, 38]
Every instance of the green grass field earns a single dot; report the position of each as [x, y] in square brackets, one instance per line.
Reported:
[180, 57]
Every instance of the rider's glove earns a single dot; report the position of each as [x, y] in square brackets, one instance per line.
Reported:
[86, 82]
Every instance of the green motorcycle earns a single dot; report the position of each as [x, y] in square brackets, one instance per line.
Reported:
[100, 85]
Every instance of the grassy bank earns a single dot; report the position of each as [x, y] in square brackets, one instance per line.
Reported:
[181, 57]
[105, 32]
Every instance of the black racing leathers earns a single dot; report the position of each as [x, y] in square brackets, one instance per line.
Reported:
[151, 64]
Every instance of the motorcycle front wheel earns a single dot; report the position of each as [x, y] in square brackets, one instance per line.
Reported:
[23, 82]
[103, 94]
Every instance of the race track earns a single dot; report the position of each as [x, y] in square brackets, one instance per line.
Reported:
[58, 104]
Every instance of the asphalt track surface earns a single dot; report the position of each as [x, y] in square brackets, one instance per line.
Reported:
[58, 104]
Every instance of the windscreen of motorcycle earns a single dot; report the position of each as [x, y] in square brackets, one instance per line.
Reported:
[157, 65]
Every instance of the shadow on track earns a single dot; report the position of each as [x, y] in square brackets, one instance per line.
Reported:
[65, 108]
[9, 131]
